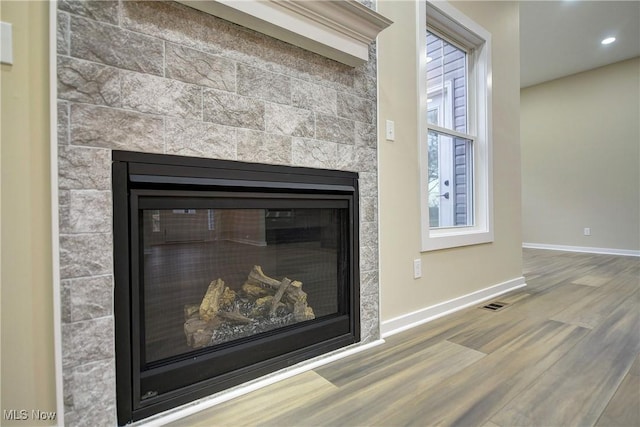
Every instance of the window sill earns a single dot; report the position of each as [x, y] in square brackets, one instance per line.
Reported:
[453, 238]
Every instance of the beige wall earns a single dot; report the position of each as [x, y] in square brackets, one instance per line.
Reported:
[452, 273]
[27, 312]
[27, 342]
[581, 159]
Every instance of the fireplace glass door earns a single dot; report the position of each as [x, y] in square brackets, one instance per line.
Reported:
[215, 275]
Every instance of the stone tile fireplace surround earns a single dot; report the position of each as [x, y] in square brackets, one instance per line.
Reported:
[159, 77]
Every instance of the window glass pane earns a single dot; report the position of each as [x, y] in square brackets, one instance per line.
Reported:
[446, 84]
[450, 189]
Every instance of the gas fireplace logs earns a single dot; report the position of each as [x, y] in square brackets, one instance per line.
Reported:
[262, 303]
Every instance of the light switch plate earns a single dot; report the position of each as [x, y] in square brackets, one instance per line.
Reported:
[390, 130]
[6, 43]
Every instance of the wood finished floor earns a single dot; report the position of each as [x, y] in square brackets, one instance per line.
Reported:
[564, 352]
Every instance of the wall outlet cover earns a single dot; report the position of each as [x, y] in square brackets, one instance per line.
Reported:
[417, 268]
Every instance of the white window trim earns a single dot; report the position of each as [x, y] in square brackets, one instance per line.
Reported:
[450, 21]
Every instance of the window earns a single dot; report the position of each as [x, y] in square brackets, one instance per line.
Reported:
[450, 162]
[455, 123]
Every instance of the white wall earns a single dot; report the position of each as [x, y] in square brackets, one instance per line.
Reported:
[581, 159]
[452, 273]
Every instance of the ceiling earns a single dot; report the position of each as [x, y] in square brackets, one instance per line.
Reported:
[559, 38]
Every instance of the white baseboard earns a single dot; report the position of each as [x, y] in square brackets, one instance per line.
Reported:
[419, 317]
[586, 249]
[224, 396]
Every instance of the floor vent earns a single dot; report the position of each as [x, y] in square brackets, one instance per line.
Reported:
[495, 306]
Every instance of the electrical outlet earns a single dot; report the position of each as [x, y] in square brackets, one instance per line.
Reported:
[417, 268]
[587, 231]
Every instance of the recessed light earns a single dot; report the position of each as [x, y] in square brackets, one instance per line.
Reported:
[608, 40]
[429, 59]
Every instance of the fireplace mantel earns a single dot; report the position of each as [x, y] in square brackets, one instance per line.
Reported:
[339, 30]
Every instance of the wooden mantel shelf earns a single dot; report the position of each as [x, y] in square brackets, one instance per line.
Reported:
[341, 30]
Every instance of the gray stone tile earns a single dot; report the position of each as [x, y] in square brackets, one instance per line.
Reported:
[260, 147]
[368, 258]
[157, 95]
[63, 123]
[366, 134]
[370, 67]
[369, 234]
[365, 76]
[369, 283]
[62, 33]
[194, 138]
[95, 405]
[87, 298]
[368, 209]
[84, 168]
[273, 55]
[170, 21]
[233, 110]
[368, 184]
[287, 120]
[64, 200]
[335, 129]
[370, 323]
[367, 159]
[65, 305]
[193, 66]
[313, 153]
[357, 159]
[356, 108]
[258, 83]
[335, 75]
[87, 341]
[314, 97]
[67, 391]
[88, 82]
[365, 85]
[111, 45]
[83, 255]
[347, 158]
[116, 129]
[98, 10]
[90, 211]
[72, 418]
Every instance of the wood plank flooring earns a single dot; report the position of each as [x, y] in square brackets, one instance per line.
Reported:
[565, 351]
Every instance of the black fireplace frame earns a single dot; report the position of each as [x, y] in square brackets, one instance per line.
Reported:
[138, 175]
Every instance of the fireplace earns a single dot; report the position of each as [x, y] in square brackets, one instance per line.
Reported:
[163, 78]
[226, 271]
